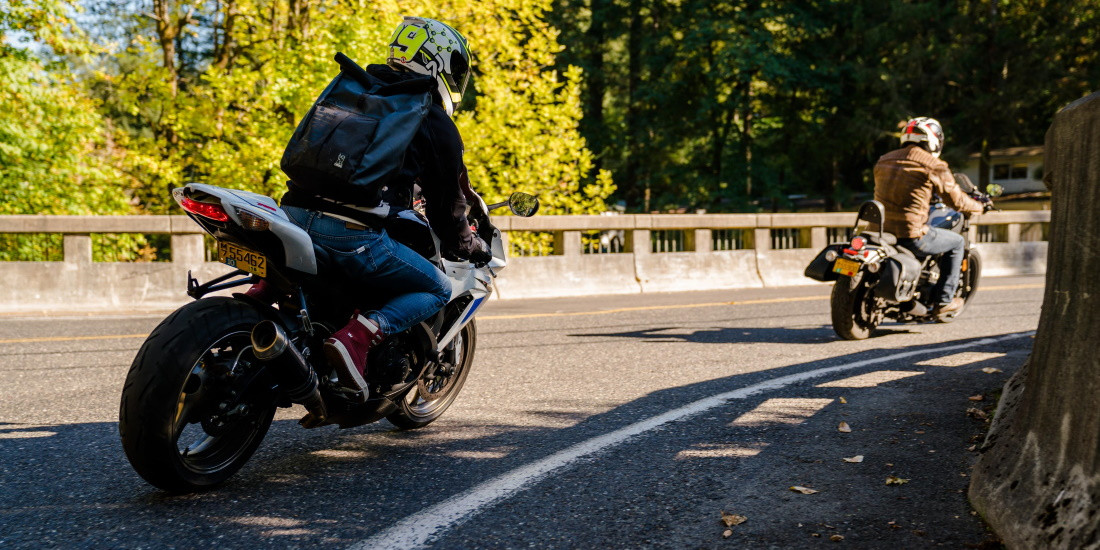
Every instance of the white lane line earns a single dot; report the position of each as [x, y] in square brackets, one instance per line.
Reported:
[421, 528]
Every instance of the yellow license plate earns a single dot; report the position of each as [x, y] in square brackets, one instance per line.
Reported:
[242, 258]
[845, 267]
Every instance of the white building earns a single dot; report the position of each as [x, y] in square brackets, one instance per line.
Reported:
[1016, 169]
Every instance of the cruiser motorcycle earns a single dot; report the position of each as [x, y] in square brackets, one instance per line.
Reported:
[204, 387]
[876, 279]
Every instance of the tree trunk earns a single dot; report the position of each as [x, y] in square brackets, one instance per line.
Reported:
[224, 49]
[168, 29]
[596, 37]
[634, 64]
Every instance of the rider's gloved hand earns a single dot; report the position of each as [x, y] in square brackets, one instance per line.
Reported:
[987, 203]
[482, 254]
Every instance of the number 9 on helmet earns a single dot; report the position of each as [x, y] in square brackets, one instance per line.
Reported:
[429, 47]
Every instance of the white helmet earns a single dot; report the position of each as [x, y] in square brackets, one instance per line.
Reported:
[925, 132]
[429, 47]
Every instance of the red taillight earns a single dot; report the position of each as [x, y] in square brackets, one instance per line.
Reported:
[857, 243]
[206, 210]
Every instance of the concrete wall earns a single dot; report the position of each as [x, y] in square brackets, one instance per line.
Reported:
[79, 283]
[1037, 482]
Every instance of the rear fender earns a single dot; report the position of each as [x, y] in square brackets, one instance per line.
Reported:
[297, 246]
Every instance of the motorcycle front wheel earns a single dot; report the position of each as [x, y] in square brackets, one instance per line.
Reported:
[439, 386]
[853, 308]
[196, 404]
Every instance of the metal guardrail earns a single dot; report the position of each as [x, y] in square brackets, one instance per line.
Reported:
[573, 235]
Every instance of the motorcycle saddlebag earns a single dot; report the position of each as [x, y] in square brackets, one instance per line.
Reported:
[898, 277]
[821, 269]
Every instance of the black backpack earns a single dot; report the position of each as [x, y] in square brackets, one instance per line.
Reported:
[353, 140]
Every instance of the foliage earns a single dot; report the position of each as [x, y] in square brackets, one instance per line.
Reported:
[56, 156]
[740, 104]
[211, 92]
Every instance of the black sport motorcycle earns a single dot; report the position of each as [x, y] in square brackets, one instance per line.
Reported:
[203, 389]
[876, 279]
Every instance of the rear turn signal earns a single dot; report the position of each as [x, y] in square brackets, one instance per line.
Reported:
[252, 222]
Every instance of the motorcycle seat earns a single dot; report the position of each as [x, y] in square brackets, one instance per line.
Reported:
[911, 251]
[887, 238]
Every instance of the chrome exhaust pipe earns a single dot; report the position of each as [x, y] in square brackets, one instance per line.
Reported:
[294, 375]
[268, 341]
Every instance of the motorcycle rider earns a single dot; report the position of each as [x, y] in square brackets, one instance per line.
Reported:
[905, 180]
[362, 251]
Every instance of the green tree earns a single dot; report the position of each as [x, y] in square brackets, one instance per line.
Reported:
[212, 91]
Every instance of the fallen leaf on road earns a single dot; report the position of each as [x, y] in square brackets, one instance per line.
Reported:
[857, 458]
[803, 490]
[919, 432]
[892, 480]
[972, 448]
[733, 519]
[976, 413]
[991, 370]
[842, 400]
[978, 397]
[836, 538]
[726, 534]
[844, 427]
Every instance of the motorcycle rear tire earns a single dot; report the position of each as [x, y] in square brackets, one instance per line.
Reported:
[845, 304]
[169, 377]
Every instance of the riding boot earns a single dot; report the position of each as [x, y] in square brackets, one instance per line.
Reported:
[348, 348]
[954, 305]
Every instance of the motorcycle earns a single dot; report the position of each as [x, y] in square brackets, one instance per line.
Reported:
[876, 279]
[204, 387]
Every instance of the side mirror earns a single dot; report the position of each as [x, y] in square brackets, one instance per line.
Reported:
[994, 190]
[523, 204]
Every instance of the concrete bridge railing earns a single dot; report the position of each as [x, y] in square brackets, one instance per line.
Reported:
[658, 253]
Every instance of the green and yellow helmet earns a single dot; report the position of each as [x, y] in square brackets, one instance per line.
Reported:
[427, 46]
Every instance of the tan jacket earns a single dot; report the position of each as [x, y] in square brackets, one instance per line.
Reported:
[905, 180]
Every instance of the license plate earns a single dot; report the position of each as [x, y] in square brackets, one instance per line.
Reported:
[242, 258]
[845, 267]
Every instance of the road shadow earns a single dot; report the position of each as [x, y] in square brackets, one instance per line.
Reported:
[735, 335]
[70, 484]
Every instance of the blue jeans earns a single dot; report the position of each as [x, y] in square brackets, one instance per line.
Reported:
[413, 287]
[948, 243]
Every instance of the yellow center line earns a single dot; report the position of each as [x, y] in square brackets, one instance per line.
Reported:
[651, 308]
[709, 304]
[540, 315]
[70, 338]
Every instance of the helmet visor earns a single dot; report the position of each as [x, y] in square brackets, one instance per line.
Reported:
[459, 75]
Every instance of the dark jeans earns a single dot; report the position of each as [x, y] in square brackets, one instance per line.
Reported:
[415, 288]
[948, 243]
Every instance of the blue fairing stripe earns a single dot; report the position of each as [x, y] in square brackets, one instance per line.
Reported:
[473, 307]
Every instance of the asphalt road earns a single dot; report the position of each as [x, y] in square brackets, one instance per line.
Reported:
[617, 422]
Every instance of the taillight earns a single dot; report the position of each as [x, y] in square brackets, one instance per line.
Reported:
[858, 243]
[212, 211]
